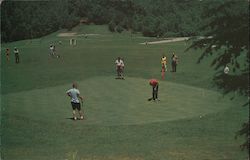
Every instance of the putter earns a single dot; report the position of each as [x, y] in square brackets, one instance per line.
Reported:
[82, 111]
[150, 99]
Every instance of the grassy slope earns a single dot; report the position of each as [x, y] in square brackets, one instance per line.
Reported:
[95, 57]
[35, 124]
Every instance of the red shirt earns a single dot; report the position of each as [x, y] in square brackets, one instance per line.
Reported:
[153, 82]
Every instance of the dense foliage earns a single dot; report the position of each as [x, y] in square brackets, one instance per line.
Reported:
[23, 19]
[163, 18]
[227, 37]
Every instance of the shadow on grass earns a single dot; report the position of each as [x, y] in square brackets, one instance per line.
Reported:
[71, 118]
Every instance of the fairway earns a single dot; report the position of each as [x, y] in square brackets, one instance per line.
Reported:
[192, 120]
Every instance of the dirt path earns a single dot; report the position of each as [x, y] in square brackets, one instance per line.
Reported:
[167, 40]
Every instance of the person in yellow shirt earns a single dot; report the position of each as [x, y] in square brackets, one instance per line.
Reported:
[164, 62]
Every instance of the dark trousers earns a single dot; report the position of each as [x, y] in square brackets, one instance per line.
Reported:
[119, 71]
[174, 66]
[17, 58]
[155, 92]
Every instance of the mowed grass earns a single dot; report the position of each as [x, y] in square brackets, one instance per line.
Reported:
[120, 122]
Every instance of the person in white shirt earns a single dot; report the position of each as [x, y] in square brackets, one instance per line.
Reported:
[51, 48]
[119, 68]
[74, 94]
[16, 52]
[226, 70]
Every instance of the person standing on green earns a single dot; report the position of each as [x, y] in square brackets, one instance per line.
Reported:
[74, 94]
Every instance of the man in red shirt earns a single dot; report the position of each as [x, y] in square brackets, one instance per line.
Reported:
[155, 86]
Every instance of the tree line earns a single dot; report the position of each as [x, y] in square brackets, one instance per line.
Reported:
[163, 18]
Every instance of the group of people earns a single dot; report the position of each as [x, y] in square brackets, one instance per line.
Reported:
[76, 98]
[174, 62]
[16, 53]
[120, 65]
[153, 82]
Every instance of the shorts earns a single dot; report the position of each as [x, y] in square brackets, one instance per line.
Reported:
[119, 69]
[76, 106]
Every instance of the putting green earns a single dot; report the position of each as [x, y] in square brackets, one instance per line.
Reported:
[116, 102]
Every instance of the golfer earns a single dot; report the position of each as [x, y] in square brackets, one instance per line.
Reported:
[54, 50]
[51, 48]
[16, 52]
[174, 62]
[119, 68]
[155, 86]
[74, 94]
[164, 62]
[8, 54]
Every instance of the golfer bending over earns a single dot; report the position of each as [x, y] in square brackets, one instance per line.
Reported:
[74, 94]
[155, 86]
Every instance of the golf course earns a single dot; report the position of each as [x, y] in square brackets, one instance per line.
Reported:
[193, 120]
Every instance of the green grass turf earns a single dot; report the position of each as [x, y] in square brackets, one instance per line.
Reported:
[121, 123]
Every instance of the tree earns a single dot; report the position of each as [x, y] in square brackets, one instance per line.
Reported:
[112, 26]
[39, 18]
[119, 29]
[149, 26]
[226, 36]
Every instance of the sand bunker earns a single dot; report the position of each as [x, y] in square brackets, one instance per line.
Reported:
[66, 34]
